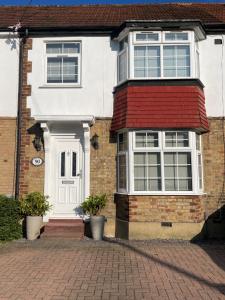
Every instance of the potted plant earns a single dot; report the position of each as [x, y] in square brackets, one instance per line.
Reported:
[93, 206]
[34, 206]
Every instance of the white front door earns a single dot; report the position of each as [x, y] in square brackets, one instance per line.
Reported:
[68, 170]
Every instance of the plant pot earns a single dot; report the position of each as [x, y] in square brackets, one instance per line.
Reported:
[97, 227]
[33, 226]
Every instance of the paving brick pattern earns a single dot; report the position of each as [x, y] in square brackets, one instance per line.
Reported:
[113, 269]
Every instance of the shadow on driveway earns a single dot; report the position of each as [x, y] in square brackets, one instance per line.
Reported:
[179, 270]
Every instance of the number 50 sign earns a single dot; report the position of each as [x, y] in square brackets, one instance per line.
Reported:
[37, 161]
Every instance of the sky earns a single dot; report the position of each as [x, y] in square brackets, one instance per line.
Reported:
[80, 2]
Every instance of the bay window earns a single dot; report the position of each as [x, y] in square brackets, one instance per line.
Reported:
[63, 63]
[152, 55]
[160, 162]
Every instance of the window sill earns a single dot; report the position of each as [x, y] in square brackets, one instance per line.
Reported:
[55, 86]
[162, 194]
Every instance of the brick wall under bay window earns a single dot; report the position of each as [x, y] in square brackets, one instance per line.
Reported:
[160, 208]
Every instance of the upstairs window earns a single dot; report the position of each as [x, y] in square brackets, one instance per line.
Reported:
[63, 63]
[162, 55]
[122, 59]
[152, 55]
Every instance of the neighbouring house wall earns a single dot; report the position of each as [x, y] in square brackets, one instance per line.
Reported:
[7, 155]
[214, 165]
[212, 74]
[9, 62]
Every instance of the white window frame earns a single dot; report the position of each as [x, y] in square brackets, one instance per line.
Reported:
[132, 42]
[120, 153]
[78, 55]
[121, 52]
[135, 41]
[162, 149]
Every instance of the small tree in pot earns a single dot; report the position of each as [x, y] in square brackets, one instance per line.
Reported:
[93, 206]
[34, 206]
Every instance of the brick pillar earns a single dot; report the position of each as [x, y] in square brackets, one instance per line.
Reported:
[25, 119]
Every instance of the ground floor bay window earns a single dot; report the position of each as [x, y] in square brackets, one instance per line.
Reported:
[159, 162]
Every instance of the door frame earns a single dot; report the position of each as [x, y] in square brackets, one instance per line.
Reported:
[49, 138]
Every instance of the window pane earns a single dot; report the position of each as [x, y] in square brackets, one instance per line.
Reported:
[170, 172]
[169, 51]
[147, 171]
[184, 158]
[147, 61]
[178, 36]
[140, 185]
[54, 70]
[62, 170]
[152, 139]
[153, 158]
[122, 66]
[70, 69]
[122, 171]
[147, 36]
[171, 185]
[122, 141]
[197, 142]
[170, 158]
[177, 139]
[139, 172]
[170, 139]
[184, 171]
[54, 48]
[146, 139]
[177, 170]
[74, 164]
[183, 72]
[154, 171]
[70, 48]
[139, 158]
[140, 139]
[155, 185]
[183, 51]
[200, 170]
[176, 61]
[169, 62]
[185, 185]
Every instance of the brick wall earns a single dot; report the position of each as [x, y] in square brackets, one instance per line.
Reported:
[103, 164]
[7, 155]
[214, 167]
[31, 177]
[159, 208]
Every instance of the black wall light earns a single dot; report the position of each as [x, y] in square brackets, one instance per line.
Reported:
[37, 143]
[94, 141]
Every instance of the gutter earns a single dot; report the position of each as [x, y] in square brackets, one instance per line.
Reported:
[19, 114]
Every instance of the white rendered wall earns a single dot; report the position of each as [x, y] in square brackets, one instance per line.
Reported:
[212, 74]
[98, 77]
[9, 72]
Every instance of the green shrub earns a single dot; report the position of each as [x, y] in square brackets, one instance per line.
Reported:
[10, 225]
[34, 204]
[94, 204]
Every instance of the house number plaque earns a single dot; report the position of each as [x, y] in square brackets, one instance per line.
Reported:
[37, 161]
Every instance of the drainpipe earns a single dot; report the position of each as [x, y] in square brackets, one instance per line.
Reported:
[19, 113]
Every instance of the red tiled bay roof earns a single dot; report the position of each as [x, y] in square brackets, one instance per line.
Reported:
[107, 15]
[160, 107]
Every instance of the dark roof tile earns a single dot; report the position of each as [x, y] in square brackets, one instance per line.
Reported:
[107, 15]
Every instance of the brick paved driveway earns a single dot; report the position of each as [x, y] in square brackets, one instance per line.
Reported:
[66, 269]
